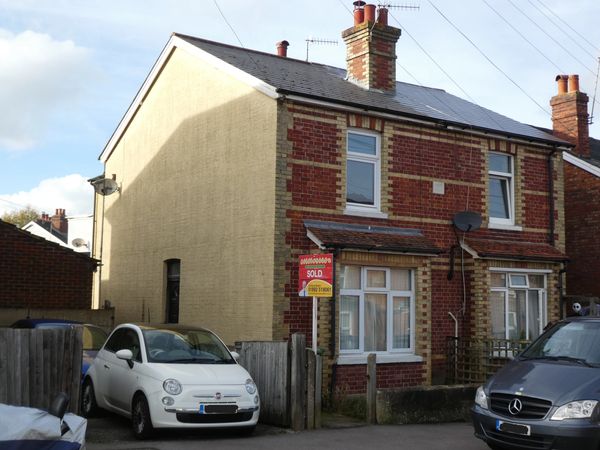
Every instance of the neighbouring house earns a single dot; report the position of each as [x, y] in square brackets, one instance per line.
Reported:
[74, 232]
[38, 274]
[52, 228]
[231, 163]
[582, 187]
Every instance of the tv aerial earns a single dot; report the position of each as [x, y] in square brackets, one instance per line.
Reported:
[105, 186]
[311, 40]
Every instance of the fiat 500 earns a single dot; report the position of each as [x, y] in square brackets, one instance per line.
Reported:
[170, 376]
[547, 397]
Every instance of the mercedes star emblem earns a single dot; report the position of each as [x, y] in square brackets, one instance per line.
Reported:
[218, 397]
[515, 406]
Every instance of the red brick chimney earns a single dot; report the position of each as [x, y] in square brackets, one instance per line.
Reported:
[59, 221]
[371, 48]
[570, 114]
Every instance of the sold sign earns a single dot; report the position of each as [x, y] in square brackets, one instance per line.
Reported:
[316, 275]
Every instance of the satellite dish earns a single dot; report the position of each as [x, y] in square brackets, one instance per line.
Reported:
[78, 242]
[105, 186]
[467, 221]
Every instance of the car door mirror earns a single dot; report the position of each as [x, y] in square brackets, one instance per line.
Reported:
[235, 355]
[126, 355]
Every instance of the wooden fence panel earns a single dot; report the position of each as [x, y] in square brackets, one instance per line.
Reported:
[35, 365]
[268, 364]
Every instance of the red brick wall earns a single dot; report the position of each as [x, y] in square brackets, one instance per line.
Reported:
[582, 221]
[315, 184]
[352, 379]
[35, 273]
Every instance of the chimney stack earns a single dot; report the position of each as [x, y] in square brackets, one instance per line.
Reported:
[59, 221]
[282, 48]
[570, 114]
[371, 48]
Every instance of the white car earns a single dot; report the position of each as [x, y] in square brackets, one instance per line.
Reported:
[170, 376]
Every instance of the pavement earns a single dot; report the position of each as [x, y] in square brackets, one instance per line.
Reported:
[111, 432]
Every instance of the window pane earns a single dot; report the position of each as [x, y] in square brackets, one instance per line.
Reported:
[499, 198]
[516, 315]
[350, 277]
[518, 280]
[498, 316]
[498, 279]
[533, 320]
[536, 281]
[375, 322]
[359, 143]
[376, 279]
[360, 183]
[400, 280]
[401, 321]
[499, 163]
[349, 322]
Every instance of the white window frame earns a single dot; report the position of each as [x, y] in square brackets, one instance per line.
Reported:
[360, 293]
[492, 174]
[542, 298]
[375, 160]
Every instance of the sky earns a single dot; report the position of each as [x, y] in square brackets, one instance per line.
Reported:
[70, 68]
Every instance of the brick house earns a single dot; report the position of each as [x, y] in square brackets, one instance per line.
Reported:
[582, 187]
[231, 163]
[39, 274]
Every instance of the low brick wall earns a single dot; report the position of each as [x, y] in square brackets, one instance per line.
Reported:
[429, 404]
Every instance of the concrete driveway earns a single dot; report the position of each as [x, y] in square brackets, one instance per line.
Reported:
[113, 433]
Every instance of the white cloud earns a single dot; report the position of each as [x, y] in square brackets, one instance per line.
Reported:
[72, 193]
[38, 77]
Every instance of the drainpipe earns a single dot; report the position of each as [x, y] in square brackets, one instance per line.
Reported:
[551, 239]
[561, 297]
[336, 253]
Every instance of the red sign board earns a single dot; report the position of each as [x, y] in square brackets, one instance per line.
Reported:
[316, 275]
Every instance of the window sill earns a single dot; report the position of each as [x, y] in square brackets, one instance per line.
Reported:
[504, 226]
[365, 213]
[344, 360]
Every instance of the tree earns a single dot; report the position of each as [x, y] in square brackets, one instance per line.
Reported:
[21, 217]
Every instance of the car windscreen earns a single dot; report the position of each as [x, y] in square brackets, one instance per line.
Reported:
[93, 338]
[183, 346]
[577, 341]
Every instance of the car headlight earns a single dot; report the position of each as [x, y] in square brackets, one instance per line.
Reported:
[250, 386]
[481, 398]
[172, 386]
[582, 409]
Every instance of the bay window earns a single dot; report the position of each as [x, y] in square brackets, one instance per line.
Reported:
[518, 305]
[376, 310]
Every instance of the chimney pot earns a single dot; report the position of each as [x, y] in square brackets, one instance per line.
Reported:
[282, 48]
[382, 17]
[573, 83]
[370, 13]
[359, 16]
[562, 84]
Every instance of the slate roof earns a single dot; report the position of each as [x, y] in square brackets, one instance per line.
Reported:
[323, 82]
[529, 251]
[366, 237]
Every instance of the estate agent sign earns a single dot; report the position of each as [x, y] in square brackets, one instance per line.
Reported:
[316, 275]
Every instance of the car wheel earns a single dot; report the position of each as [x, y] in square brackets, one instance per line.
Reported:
[140, 418]
[89, 407]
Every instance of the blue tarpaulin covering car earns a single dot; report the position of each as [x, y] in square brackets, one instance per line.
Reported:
[23, 428]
